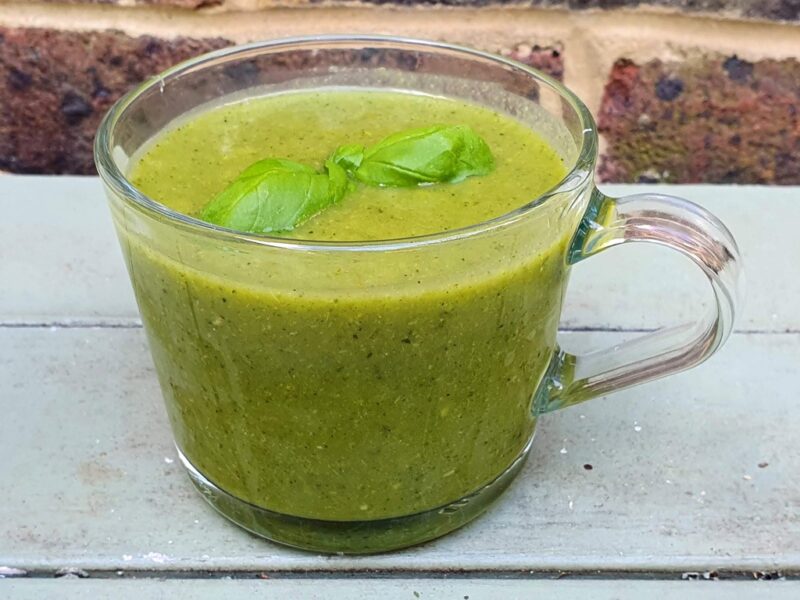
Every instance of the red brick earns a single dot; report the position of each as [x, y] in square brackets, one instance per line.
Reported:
[175, 3]
[775, 10]
[547, 59]
[714, 119]
[55, 87]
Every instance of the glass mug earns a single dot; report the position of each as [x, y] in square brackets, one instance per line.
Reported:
[365, 396]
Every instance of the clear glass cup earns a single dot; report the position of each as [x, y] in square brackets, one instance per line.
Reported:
[422, 363]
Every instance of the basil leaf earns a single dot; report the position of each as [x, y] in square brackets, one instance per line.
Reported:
[438, 154]
[275, 195]
[349, 157]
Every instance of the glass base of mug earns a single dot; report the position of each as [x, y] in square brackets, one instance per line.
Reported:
[354, 537]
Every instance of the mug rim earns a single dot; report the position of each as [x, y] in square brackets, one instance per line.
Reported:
[113, 177]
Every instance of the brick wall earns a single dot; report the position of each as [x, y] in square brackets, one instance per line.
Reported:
[683, 90]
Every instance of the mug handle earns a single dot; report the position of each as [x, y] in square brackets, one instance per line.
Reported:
[677, 224]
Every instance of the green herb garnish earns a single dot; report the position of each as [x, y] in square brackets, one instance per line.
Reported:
[275, 195]
[439, 154]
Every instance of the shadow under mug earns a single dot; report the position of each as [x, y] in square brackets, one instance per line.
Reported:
[361, 397]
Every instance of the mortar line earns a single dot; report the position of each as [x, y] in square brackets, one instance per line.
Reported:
[495, 25]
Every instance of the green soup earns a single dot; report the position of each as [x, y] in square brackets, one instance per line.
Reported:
[364, 401]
